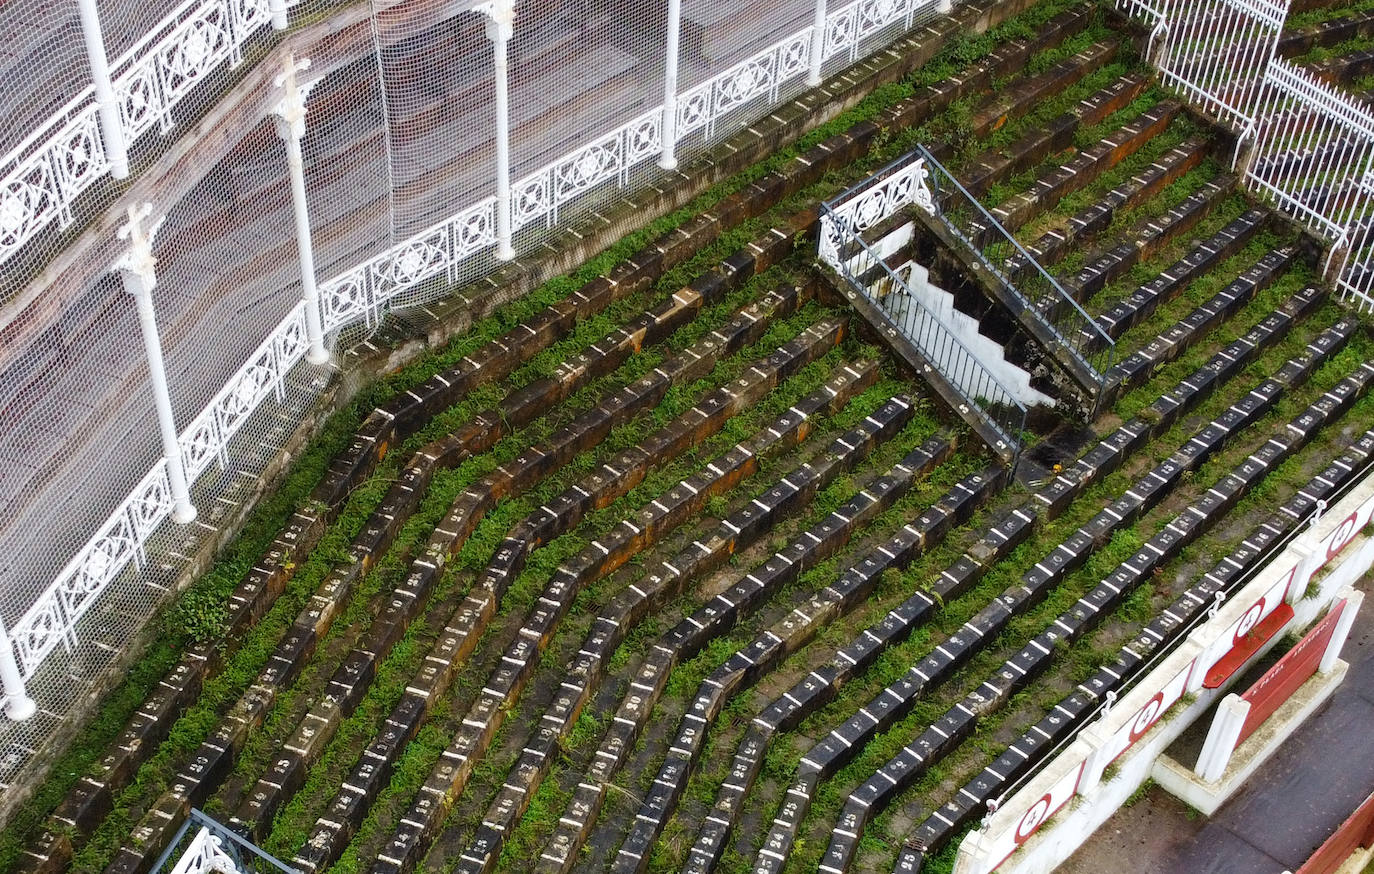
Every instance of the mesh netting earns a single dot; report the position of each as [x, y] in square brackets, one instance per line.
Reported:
[400, 177]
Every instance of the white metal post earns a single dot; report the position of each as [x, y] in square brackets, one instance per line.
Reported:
[136, 267]
[813, 78]
[290, 119]
[277, 8]
[500, 25]
[18, 705]
[111, 129]
[668, 159]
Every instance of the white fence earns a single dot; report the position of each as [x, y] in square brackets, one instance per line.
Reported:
[42, 177]
[1308, 146]
[1214, 51]
[1312, 154]
[47, 172]
[55, 638]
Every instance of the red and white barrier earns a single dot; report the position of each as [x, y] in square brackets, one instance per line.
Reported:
[1293, 591]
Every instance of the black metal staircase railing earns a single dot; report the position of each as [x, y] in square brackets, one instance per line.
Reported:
[953, 370]
[203, 844]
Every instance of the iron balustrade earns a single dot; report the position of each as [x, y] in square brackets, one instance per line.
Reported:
[1312, 156]
[1043, 298]
[901, 312]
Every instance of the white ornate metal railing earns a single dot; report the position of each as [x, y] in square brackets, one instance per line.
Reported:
[198, 37]
[206, 855]
[870, 202]
[159, 70]
[366, 290]
[44, 175]
[261, 377]
[701, 107]
[52, 620]
[540, 194]
[214, 849]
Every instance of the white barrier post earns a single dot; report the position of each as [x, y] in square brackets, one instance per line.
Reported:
[290, 119]
[18, 705]
[1222, 737]
[1337, 642]
[668, 160]
[500, 25]
[136, 268]
[111, 129]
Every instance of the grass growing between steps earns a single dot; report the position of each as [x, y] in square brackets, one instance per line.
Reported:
[477, 552]
[1101, 646]
[532, 830]
[780, 760]
[1223, 211]
[547, 359]
[1076, 662]
[1089, 136]
[392, 567]
[922, 426]
[1321, 54]
[1078, 201]
[736, 713]
[270, 515]
[1297, 20]
[425, 750]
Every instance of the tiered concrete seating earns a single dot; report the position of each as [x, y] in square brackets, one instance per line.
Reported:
[937, 667]
[959, 722]
[1165, 629]
[819, 687]
[734, 533]
[432, 754]
[350, 806]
